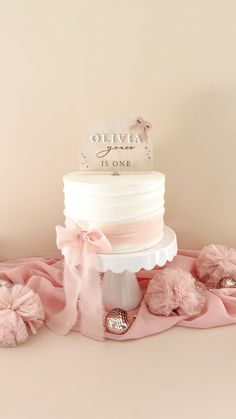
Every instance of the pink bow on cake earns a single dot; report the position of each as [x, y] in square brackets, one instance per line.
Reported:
[81, 279]
[143, 125]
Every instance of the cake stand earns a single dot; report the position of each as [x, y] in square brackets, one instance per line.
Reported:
[120, 286]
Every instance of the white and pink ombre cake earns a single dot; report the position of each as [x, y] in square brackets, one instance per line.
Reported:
[128, 208]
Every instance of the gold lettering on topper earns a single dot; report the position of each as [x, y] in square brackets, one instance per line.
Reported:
[104, 153]
[119, 163]
[115, 138]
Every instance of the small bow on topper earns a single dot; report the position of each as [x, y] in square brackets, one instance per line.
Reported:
[143, 125]
[81, 280]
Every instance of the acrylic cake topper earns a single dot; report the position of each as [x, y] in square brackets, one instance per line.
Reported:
[117, 144]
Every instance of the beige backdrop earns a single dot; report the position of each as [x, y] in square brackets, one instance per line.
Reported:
[67, 64]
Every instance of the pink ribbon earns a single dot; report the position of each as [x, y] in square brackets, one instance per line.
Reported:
[81, 280]
[143, 126]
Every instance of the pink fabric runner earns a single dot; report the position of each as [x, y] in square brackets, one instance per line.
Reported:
[45, 276]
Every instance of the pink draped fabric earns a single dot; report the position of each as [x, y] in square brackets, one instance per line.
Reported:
[44, 276]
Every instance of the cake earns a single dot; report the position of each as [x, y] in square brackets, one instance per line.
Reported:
[128, 208]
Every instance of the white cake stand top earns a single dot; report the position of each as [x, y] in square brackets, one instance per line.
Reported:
[146, 259]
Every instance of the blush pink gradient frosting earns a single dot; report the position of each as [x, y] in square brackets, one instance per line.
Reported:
[149, 230]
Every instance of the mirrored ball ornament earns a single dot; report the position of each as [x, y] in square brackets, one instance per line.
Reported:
[226, 282]
[117, 321]
[5, 283]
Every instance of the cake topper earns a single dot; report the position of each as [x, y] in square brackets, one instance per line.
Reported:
[117, 144]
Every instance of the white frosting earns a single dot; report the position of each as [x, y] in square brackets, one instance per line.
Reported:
[104, 198]
[108, 200]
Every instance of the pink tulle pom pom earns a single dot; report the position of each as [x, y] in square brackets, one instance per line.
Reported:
[21, 314]
[215, 262]
[174, 291]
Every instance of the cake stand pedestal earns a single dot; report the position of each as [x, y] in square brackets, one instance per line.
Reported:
[120, 286]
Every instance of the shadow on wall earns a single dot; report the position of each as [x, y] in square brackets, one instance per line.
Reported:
[198, 157]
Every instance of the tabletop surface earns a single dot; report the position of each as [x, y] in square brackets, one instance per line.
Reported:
[182, 373]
